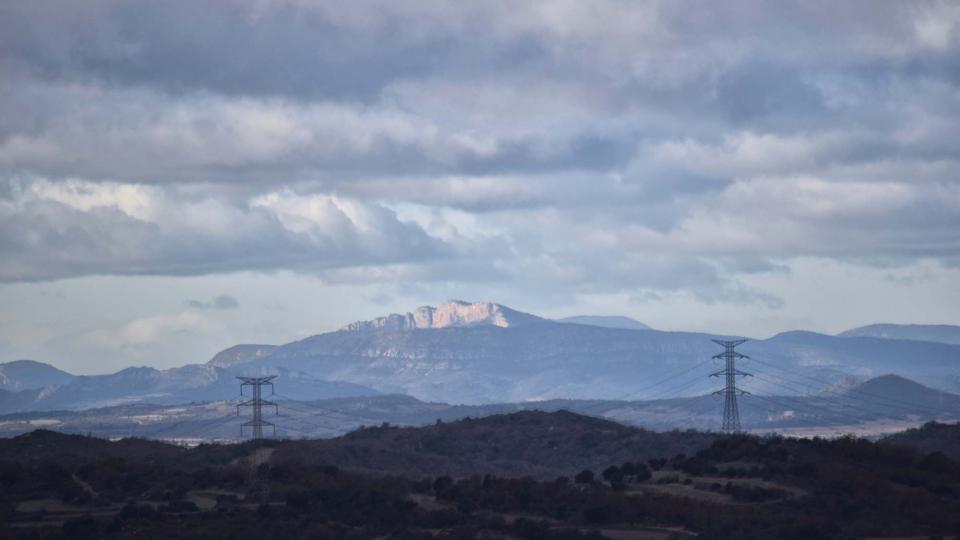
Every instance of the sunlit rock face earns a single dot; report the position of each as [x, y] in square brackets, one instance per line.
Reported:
[452, 314]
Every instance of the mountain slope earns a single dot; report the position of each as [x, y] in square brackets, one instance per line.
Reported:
[171, 386]
[485, 364]
[28, 374]
[239, 354]
[606, 321]
[814, 362]
[896, 389]
[472, 363]
[940, 333]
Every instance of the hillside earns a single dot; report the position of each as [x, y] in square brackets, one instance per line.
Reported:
[191, 383]
[468, 480]
[238, 354]
[28, 374]
[73, 450]
[606, 321]
[488, 364]
[930, 437]
[528, 443]
[939, 333]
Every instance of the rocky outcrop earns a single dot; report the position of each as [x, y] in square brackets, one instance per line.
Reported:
[452, 314]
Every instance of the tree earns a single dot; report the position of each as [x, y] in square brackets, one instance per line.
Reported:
[612, 473]
[81, 528]
[584, 477]
[442, 483]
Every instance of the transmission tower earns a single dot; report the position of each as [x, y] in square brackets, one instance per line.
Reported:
[731, 414]
[257, 403]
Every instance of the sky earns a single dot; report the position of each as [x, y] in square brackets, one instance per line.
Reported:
[177, 177]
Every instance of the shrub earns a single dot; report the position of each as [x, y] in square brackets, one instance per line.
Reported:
[584, 477]
[612, 473]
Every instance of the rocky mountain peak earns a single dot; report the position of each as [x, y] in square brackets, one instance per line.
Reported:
[453, 313]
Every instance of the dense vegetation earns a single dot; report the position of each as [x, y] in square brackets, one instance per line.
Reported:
[527, 443]
[930, 437]
[60, 486]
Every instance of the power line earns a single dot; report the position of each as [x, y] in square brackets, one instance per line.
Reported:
[852, 391]
[850, 400]
[791, 388]
[671, 376]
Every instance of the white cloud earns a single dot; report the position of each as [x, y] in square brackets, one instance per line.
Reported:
[161, 341]
[84, 228]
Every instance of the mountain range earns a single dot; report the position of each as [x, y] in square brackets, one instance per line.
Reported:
[881, 405]
[487, 353]
[191, 383]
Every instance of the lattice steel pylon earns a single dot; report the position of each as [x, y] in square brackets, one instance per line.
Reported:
[257, 402]
[731, 413]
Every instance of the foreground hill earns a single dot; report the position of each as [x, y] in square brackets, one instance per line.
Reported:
[453, 481]
[42, 445]
[929, 438]
[527, 443]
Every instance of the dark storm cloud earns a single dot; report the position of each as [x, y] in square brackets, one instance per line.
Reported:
[763, 95]
[596, 146]
[285, 49]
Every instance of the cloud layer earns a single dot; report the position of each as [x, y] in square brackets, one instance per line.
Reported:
[607, 147]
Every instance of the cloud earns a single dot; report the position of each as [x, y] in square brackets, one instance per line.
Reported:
[642, 148]
[222, 301]
[54, 234]
[159, 340]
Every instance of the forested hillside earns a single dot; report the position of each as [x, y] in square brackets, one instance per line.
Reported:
[592, 479]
